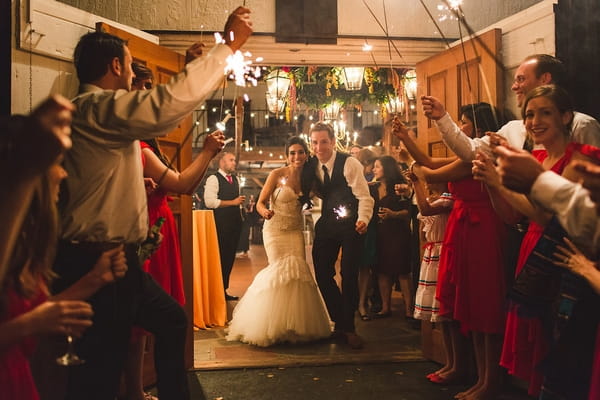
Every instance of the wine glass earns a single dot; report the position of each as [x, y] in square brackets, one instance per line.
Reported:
[70, 358]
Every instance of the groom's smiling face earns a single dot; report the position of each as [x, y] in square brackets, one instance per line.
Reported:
[322, 145]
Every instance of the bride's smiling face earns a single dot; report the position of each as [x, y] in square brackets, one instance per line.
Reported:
[296, 156]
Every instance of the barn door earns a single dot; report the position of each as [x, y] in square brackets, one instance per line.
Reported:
[458, 76]
[165, 63]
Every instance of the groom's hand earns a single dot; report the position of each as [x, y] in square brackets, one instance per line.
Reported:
[361, 227]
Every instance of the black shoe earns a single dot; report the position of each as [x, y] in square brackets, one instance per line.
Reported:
[229, 297]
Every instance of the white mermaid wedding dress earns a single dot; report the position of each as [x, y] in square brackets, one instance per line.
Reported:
[283, 303]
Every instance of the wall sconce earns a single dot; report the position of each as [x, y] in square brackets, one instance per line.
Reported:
[353, 77]
[331, 111]
[410, 84]
[278, 84]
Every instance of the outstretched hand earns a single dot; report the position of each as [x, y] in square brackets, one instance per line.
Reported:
[518, 169]
[214, 142]
[399, 129]
[238, 28]
[193, 52]
[432, 107]
[484, 170]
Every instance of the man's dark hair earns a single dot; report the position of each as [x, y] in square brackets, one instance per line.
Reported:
[94, 53]
[552, 65]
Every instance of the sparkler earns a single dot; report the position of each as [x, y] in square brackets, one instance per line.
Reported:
[221, 125]
[341, 212]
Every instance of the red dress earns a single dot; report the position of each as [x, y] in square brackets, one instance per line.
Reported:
[525, 342]
[471, 282]
[16, 381]
[165, 264]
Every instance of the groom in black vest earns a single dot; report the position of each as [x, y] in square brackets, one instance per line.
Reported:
[222, 194]
[346, 210]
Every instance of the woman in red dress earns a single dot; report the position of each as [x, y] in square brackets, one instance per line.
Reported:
[547, 114]
[471, 279]
[26, 310]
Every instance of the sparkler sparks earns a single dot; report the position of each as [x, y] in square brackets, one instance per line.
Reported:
[340, 212]
[238, 65]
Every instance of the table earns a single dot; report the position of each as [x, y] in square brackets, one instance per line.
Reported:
[210, 308]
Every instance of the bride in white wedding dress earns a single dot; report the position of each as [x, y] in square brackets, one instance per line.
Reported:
[283, 303]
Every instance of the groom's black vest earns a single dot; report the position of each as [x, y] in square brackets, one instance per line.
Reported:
[338, 194]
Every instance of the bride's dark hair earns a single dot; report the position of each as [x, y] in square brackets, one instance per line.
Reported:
[296, 140]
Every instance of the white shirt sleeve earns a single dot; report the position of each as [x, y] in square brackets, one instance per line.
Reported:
[353, 172]
[462, 145]
[573, 207]
[211, 192]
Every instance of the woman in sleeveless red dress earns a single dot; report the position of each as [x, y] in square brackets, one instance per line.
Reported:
[471, 279]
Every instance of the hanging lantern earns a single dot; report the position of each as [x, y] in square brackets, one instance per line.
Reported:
[354, 77]
[410, 84]
[394, 105]
[331, 111]
[278, 84]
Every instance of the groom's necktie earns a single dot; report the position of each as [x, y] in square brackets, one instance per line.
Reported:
[229, 179]
[326, 178]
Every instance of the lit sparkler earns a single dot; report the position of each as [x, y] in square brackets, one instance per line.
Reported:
[221, 125]
[238, 65]
[341, 212]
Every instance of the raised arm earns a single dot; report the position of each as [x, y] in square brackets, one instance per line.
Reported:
[186, 181]
[462, 145]
[454, 171]
[402, 133]
[425, 207]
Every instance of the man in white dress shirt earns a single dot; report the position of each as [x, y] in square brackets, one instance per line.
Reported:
[534, 71]
[346, 210]
[104, 203]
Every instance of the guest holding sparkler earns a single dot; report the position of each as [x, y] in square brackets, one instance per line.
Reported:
[346, 210]
[104, 203]
[283, 303]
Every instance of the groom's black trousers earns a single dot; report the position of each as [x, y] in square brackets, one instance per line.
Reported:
[329, 238]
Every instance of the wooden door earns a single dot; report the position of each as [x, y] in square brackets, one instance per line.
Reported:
[458, 76]
[164, 63]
